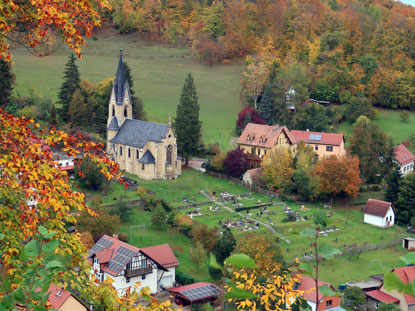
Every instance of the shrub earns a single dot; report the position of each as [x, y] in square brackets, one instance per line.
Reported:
[204, 235]
[216, 274]
[158, 216]
[185, 224]
[375, 188]
[123, 237]
[320, 219]
[235, 163]
[184, 278]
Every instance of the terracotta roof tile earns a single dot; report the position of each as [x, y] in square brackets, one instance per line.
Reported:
[309, 284]
[407, 275]
[381, 296]
[105, 255]
[377, 208]
[57, 296]
[325, 139]
[162, 254]
[263, 135]
[403, 155]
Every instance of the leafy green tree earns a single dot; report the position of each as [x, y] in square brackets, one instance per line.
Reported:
[69, 85]
[392, 186]
[267, 104]
[305, 184]
[355, 296]
[225, 246]
[138, 106]
[187, 125]
[6, 82]
[158, 216]
[89, 174]
[359, 106]
[388, 307]
[198, 255]
[312, 117]
[52, 121]
[78, 113]
[98, 226]
[97, 106]
[406, 200]
[122, 208]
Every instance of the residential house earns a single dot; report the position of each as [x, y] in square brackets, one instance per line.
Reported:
[405, 159]
[379, 213]
[195, 294]
[408, 243]
[145, 149]
[257, 140]
[153, 267]
[63, 300]
[405, 301]
[323, 144]
[308, 285]
[65, 163]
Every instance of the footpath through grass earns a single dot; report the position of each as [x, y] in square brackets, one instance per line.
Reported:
[159, 73]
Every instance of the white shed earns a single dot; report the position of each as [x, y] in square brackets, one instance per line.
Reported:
[379, 213]
[408, 243]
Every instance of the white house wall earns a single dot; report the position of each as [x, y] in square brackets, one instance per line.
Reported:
[380, 221]
[407, 168]
[171, 272]
[121, 285]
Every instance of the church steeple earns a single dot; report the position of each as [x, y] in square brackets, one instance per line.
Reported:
[119, 84]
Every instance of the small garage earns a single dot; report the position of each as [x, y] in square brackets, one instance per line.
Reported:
[197, 293]
[166, 281]
[408, 243]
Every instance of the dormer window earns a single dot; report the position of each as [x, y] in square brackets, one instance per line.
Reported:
[251, 137]
[263, 139]
[58, 294]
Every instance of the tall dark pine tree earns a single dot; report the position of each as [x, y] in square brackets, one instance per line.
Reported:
[392, 189]
[52, 121]
[187, 125]
[6, 81]
[138, 106]
[267, 103]
[69, 85]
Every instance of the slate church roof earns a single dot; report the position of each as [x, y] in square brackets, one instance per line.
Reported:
[120, 84]
[136, 133]
[113, 124]
[147, 158]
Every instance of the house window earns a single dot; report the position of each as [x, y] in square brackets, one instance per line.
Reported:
[113, 110]
[176, 164]
[129, 152]
[329, 303]
[138, 154]
[142, 167]
[377, 304]
[143, 277]
[265, 152]
[169, 153]
[316, 147]
[259, 151]
[125, 112]
[329, 148]
[120, 151]
[252, 151]
[127, 280]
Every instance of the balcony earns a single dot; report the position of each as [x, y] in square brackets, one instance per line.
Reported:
[136, 272]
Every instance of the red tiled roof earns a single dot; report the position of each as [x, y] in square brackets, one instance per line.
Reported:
[308, 285]
[57, 301]
[381, 296]
[255, 172]
[377, 208]
[105, 255]
[263, 135]
[326, 138]
[407, 275]
[403, 155]
[162, 254]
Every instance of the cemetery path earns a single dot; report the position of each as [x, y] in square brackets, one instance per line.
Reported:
[278, 234]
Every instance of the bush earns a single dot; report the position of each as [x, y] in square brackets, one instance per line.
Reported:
[235, 163]
[363, 188]
[123, 237]
[216, 274]
[320, 219]
[375, 188]
[184, 278]
[89, 174]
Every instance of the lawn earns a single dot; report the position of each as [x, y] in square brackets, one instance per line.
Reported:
[391, 123]
[159, 73]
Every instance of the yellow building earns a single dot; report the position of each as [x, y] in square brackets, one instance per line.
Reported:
[145, 149]
[257, 139]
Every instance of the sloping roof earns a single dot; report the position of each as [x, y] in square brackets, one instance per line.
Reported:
[377, 207]
[263, 135]
[255, 172]
[136, 133]
[407, 275]
[162, 254]
[325, 138]
[308, 285]
[197, 291]
[57, 296]
[113, 124]
[381, 296]
[147, 158]
[403, 155]
[110, 247]
[120, 83]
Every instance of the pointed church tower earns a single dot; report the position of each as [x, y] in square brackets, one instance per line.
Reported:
[119, 107]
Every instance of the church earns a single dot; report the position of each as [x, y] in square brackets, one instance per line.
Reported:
[145, 149]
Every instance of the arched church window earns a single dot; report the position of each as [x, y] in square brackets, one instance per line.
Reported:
[125, 111]
[169, 154]
[113, 110]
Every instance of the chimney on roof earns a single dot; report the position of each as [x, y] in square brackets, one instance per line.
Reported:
[115, 236]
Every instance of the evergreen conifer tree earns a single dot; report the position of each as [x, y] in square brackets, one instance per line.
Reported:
[267, 103]
[138, 106]
[187, 124]
[392, 190]
[6, 81]
[69, 85]
[52, 121]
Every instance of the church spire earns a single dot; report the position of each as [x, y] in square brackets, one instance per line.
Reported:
[119, 81]
[169, 124]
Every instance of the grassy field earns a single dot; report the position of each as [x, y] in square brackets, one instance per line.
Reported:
[159, 73]
[391, 123]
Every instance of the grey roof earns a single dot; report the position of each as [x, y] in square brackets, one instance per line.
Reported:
[136, 133]
[113, 124]
[120, 82]
[147, 158]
